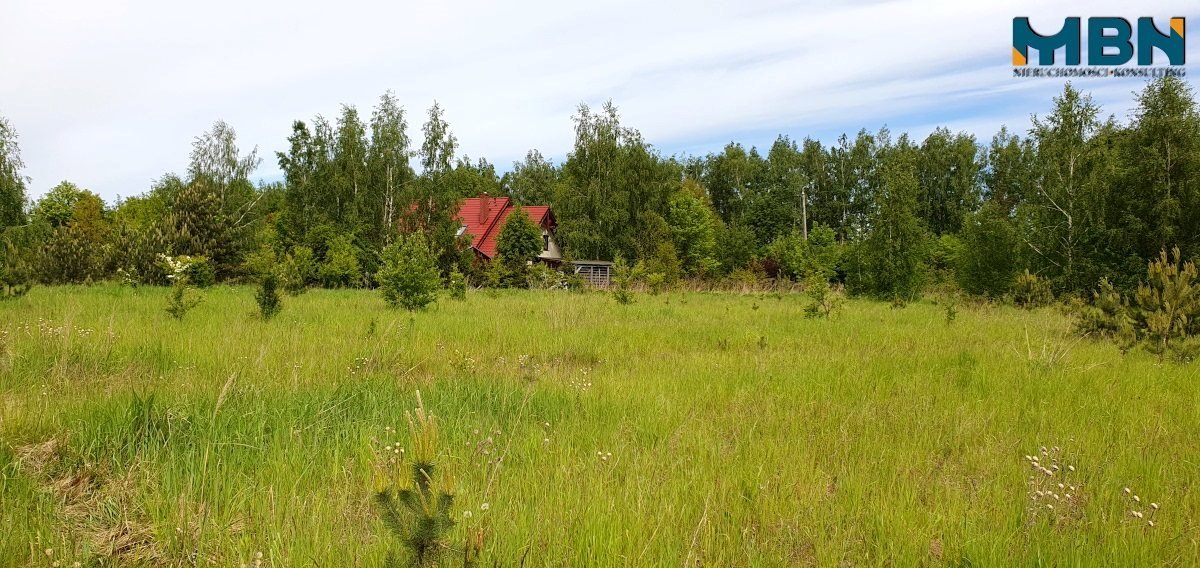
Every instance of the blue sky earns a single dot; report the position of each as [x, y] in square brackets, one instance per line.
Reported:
[109, 95]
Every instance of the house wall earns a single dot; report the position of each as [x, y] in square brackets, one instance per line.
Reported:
[554, 253]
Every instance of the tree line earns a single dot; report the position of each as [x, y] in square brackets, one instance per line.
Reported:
[1077, 198]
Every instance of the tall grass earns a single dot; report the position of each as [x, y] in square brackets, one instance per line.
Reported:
[688, 428]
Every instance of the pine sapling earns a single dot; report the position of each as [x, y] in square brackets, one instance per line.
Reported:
[269, 302]
[416, 505]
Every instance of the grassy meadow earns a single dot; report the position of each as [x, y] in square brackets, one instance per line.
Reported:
[684, 429]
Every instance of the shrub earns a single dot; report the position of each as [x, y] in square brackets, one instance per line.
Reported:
[622, 282]
[262, 261]
[988, 260]
[497, 273]
[665, 263]
[749, 277]
[457, 285]
[542, 277]
[788, 252]
[306, 265]
[200, 271]
[798, 258]
[1031, 290]
[575, 283]
[182, 298]
[409, 275]
[945, 253]
[269, 302]
[951, 309]
[341, 267]
[656, 282]
[825, 302]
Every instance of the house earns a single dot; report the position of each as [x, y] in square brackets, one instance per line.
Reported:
[483, 217]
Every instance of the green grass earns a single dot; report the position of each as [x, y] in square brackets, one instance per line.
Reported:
[740, 432]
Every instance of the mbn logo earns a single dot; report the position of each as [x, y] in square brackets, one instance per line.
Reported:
[1109, 41]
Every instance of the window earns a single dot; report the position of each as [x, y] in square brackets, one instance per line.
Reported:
[460, 231]
[545, 242]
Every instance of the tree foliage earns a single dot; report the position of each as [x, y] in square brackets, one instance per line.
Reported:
[12, 183]
[1076, 198]
[409, 275]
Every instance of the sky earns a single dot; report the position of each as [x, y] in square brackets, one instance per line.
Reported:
[110, 95]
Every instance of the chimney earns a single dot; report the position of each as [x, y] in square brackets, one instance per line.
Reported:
[485, 207]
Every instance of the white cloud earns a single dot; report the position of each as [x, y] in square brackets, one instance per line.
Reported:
[110, 94]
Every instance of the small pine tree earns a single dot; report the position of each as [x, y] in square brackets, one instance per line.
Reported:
[1109, 315]
[409, 275]
[622, 282]
[269, 302]
[15, 280]
[1031, 290]
[1169, 305]
[416, 507]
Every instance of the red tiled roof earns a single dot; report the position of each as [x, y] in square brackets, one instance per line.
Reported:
[485, 230]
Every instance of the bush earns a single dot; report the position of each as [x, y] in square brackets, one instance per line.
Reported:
[409, 275]
[622, 282]
[798, 259]
[497, 274]
[341, 267]
[656, 282]
[750, 277]
[575, 283]
[182, 298]
[269, 302]
[665, 263]
[945, 253]
[261, 261]
[542, 277]
[457, 285]
[297, 270]
[200, 271]
[1109, 315]
[1031, 291]
[824, 300]
[305, 261]
[988, 261]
